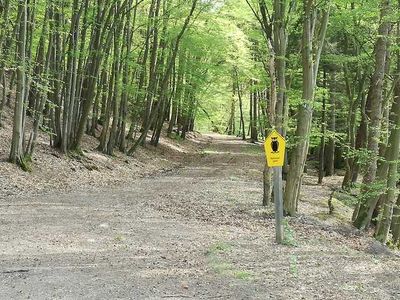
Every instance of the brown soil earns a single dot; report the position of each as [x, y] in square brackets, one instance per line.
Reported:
[194, 232]
[54, 171]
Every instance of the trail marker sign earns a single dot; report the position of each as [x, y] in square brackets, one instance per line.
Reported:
[275, 146]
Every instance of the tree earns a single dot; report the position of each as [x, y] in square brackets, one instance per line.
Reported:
[17, 151]
[366, 208]
[311, 50]
[386, 218]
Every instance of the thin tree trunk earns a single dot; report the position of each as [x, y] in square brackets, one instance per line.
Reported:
[330, 152]
[254, 130]
[178, 94]
[231, 125]
[242, 126]
[16, 153]
[321, 165]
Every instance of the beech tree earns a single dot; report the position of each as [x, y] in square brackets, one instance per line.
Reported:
[366, 207]
[132, 72]
[312, 46]
[17, 151]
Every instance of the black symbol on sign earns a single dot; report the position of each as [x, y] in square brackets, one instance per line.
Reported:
[275, 145]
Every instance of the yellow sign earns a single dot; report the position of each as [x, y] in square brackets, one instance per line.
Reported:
[275, 146]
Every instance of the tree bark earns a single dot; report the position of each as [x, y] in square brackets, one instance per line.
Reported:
[239, 92]
[330, 152]
[310, 69]
[16, 153]
[374, 107]
[321, 164]
[391, 158]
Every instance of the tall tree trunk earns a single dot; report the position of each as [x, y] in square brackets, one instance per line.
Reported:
[16, 153]
[231, 125]
[304, 118]
[330, 151]
[396, 223]
[178, 92]
[152, 87]
[239, 92]
[280, 47]
[254, 129]
[321, 165]
[71, 79]
[5, 46]
[100, 39]
[391, 158]
[361, 140]
[115, 100]
[126, 74]
[374, 105]
[57, 68]
[39, 93]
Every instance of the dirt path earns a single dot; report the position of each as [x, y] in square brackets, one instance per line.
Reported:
[198, 233]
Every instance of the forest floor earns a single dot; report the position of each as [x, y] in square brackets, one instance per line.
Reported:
[194, 232]
[54, 171]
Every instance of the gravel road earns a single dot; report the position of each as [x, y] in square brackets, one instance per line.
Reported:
[197, 232]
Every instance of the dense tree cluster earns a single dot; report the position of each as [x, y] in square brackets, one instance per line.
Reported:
[344, 88]
[105, 68]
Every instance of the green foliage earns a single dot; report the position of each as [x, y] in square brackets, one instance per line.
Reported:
[289, 238]
[346, 198]
[227, 37]
[175, 136]
[26, 163]
[371, 190]
[293, 266]
[217, 259]
[362, 155]
[218, 248]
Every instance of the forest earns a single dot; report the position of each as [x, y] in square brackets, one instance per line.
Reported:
[325, 74]
[131, 149]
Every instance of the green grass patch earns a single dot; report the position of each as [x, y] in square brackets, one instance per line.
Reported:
[253, 150]
[346, 199]
[293, 267]
[175, 136]
[243, 275]
[221, 266]
[228, 269]
[219, 247]
[289, 237]
[26, 163]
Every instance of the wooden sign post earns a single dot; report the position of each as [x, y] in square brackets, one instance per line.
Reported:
[275, 146]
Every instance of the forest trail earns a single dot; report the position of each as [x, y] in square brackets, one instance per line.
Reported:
[198, 232]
